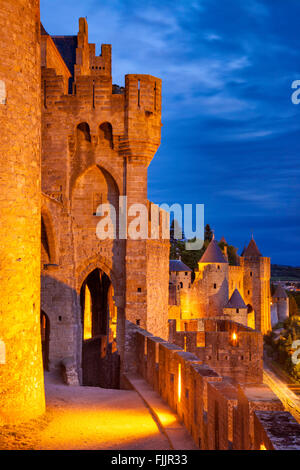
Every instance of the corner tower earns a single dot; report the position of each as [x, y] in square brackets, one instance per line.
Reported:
[257, 286]
[212, 280]
[21, 373]
[97, 142]
[280, 301]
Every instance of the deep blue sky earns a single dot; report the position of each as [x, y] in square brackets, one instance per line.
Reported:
[231, 135]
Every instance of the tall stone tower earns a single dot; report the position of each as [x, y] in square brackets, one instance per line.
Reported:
[211, 282]
[21, 374]
[257, 294]
[97, 142]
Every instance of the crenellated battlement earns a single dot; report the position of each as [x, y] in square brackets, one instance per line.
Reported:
[231, 348]
[77, 88]
[97, 142]
[219, 413]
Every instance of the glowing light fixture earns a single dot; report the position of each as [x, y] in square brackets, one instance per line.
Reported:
[179, 382]
[234, 338]
[87, 322]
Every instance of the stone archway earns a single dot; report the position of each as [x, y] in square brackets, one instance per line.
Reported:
[100, 358]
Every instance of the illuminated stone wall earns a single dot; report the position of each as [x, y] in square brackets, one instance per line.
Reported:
[235, 279]
[157, 287]
[257, 290]
[218, 413]
[252, 398]
[214, 285]
[21, 376]
[208, 293]
[222, 398]
[240, 359]
[97, 143]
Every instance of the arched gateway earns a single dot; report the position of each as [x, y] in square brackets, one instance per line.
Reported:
[100, 358]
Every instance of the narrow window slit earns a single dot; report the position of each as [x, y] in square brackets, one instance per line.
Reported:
[139, 93]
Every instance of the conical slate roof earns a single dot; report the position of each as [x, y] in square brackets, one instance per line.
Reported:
[223, 240]
[280, 293]
[213, 254]
[177, 265]
[236, 301]
[252, 249]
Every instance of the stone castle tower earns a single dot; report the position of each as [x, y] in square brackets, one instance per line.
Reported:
[280, 305]
[21, 374]
[97, 142]
[70, 142]
[212, 277]
[256, 285]
[241, 292]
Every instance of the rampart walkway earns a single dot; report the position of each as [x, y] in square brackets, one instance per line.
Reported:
[88, 418]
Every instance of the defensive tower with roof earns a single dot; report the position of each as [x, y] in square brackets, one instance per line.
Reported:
[179, 280]
[180, 274]
[241, 291]
[211, 282]
[97, 142]
[236, 308]
[280, 305]
[256, 282]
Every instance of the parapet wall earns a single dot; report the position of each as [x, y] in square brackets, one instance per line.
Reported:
[217, 413]
[230, 348]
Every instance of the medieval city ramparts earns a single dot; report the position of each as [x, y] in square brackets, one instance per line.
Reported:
[217, 412]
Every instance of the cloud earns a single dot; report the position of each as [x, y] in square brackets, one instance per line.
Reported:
[257, 9]
[212, 37]
[231, 134]
[262, 199]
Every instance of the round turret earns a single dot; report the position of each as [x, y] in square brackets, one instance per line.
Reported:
[281, 301]
[236, 308]
[213, 269]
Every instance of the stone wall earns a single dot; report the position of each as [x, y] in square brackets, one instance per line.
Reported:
[222, 398]
[251, 398]
[212, 341]
[181, 279]
[257, 290]
[235, 279]
[21, 374]
[209, 291]
[266, 427]
[157, 287]
[216, 412]
[214, 284]
[96, 147]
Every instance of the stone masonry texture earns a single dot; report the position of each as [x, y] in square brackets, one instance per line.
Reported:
[21, 377]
